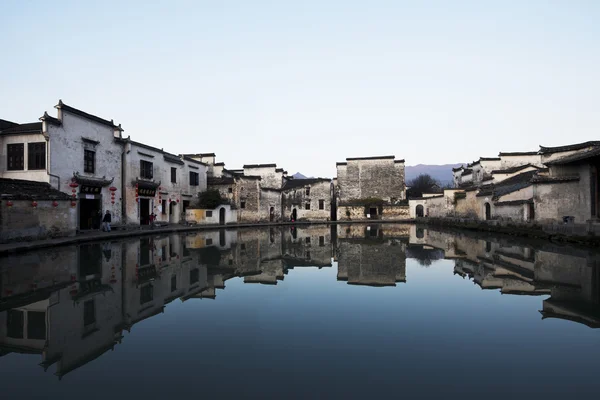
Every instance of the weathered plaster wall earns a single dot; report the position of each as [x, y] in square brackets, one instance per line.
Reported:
[508, 161]
[553, 201]
[270, 199]
[24, 222]
[204, 216]
[511, 212]
[296, 198]
[467, 207]
[247, 190]
[67, 156]
[412, 205]
[372, 261]
[376, 178]
[385, 212]
[270, 178]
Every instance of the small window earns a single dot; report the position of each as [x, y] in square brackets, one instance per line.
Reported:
[173, 283]
[321, 204]
[307, 206]
[15, 157]
[173, 175]
[242, 204]
[243, 246]
[208, 241]
[146, 294]
[208, 214]
[307, 239]
[231, 261]
[36, 155]
[230, 190]
[308, 191]
[89, 161]
[164, 207]
[15, 322]
[321, 240]
[194, 178]
[194, 276]
[36, 325]
[89, 313]
[146, 169]
[308, 255]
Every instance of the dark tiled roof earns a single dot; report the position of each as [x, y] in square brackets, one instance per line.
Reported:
[83, 114]
[517, 153]
[50, 120]
[220, 181]
[296, 183]
[279, 170]
[220, 164]
[573, 158]
[473, 163]
[509, 185]
[399, 161]
[32, 127]
[173, 159]
[4, 124]
[558, 149]
[489, 158]
[457, 169]
[250, 177]
[17, 189]
[260, 165]
[341, 163]
[371, 158]
[514, 169]
[554, 179]
[189, 159]
[513, 202]
[467, 171]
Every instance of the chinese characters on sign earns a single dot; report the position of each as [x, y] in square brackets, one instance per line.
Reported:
[90, 189]
[147, 192]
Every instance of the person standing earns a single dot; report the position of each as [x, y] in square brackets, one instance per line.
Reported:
[152, 218]
[106, 221]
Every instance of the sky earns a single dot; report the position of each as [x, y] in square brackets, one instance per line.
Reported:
[307, 83]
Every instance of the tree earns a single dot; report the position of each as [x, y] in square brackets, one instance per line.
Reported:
[423, 183]
[211, 199]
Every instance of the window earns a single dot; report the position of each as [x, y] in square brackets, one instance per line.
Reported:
[36, 155]
[307, 240]
[308, 255]
[208, 241]
[146, 294]
[164, 207]
[194, 179]
[230, 190]
[242, 204]
[230, 261]
[308, 191]
[243, 246]
[15, 321]
[321, 204]
[208, 214]
[321, 240]
[173, 283]
[89, 161]
[164, 253]
[307, 206]
[194, 276]
[89, 313]
[15, 157]
[146, 169]
[36, 325]
[173, 175]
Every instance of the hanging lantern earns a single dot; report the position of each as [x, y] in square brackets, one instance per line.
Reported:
[73, 204]
[34, 204]
[55, 203]
[73, 185]
[113, 279]
[112, 201]
[112, 189]
[178, 200]
[73, 277]
[73, 291]
[9, 203]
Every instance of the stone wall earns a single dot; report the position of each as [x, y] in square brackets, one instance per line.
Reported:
[205, 216]
[516, 212]
[553, 201]
[270, 200]
[296, 198]
[270, 177]
[247, 191]
[468, 207]
[21, 221]
[381, 178]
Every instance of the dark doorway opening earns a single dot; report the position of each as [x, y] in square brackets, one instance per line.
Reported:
[272, 214]
[90, 212]
[294, 214]
[172, 212]
[222, 241]
[222, 216]
[420, 212]
[373, 212]
[186, 204]
[531, 211]
[488, 211]
[144, 211]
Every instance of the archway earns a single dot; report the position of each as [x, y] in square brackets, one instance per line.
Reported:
[294, 214]
[488, 211]
[419, 210]
[222, 216]
[272, 214]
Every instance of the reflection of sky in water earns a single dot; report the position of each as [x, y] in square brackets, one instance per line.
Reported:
[310, 336]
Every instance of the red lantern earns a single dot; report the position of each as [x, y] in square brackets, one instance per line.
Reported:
[112, 189]
[73, 204]
[113, 280]
[73, 184]
[73, 277]
[55, 203]
[34, 204]
[9, 203]
[112, 201]
[178, 200]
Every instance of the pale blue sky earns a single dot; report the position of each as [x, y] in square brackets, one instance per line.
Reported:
[307, 83]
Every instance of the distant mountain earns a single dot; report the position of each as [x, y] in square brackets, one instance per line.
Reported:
[298, 175]
[442, 173]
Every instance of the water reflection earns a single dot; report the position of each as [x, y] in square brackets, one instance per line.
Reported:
[72, 304]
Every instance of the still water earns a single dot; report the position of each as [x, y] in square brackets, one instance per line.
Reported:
[361, 311]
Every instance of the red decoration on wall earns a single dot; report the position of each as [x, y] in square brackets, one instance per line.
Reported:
[55, 203]
[9, 203]
[74, 184]
[112, 189]
[112, 201]
[34, 204]
[178, 200]
[73, 204]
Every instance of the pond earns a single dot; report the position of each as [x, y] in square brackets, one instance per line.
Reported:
[345, 311]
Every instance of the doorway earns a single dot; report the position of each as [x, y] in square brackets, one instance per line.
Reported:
[294, 215]
[373, 212]
[531, 209]
[144, 211]
[488, 211]
[222, 216]
[90, 213]
[172, 215]
[272, 214]
[419, 210]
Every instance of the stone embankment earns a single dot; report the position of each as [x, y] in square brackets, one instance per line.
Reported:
[585, 234]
